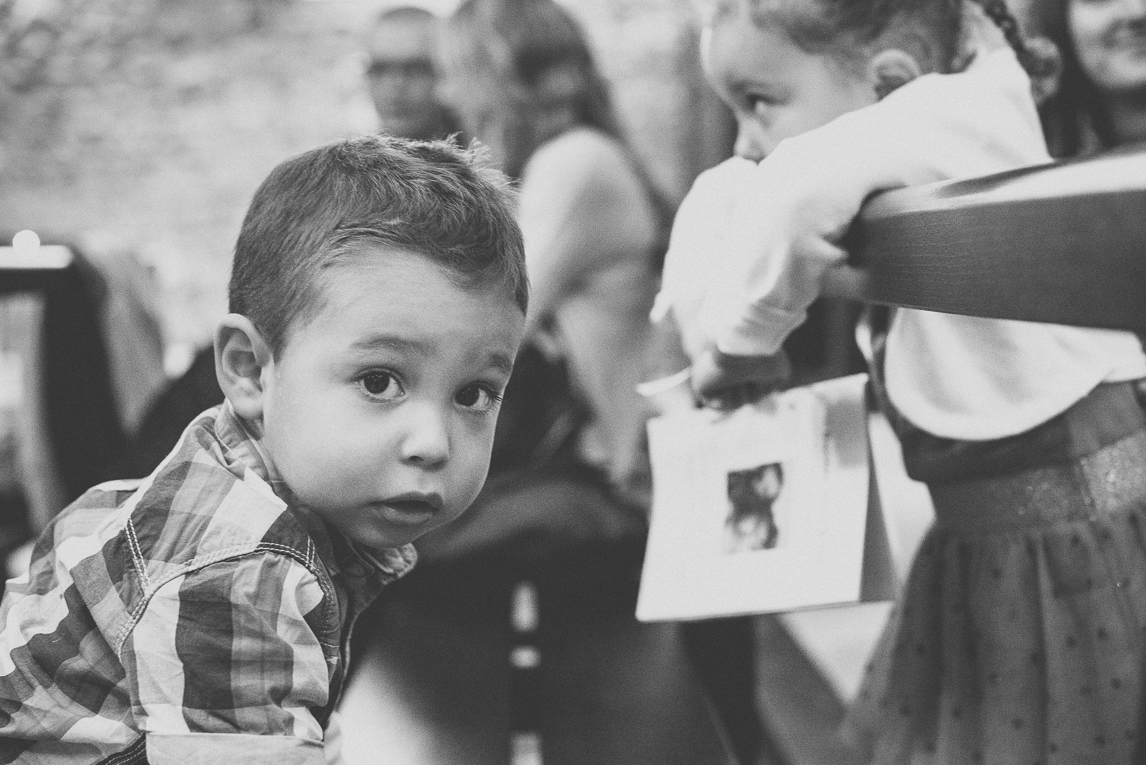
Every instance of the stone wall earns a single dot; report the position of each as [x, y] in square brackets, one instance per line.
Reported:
[155, 120]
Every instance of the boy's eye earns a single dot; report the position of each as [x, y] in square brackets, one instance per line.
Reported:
[382, 385]
[479, 397]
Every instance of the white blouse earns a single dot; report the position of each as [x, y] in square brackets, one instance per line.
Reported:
[954, 376]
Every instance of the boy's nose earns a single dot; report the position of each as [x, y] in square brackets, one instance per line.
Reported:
[427, 441]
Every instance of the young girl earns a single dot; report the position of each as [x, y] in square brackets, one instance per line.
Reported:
[1018, 637]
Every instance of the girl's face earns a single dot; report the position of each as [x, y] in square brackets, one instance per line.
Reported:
[775, 88]
[1109, 37]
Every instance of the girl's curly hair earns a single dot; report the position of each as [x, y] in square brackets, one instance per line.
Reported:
[931, 30]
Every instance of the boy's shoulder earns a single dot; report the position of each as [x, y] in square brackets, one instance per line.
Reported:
[209, 501]
[130, 560]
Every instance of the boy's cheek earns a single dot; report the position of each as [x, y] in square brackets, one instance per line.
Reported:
[477, 478]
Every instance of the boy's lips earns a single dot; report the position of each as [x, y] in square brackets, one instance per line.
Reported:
[411, 508]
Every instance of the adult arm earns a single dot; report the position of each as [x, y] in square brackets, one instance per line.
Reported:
[581, 207]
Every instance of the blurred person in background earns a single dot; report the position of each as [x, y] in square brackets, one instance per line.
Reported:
[402, 74]
[522, 80]
[1101, 99]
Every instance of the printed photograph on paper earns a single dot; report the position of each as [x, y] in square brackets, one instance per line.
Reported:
[758, 510]
[755, 496]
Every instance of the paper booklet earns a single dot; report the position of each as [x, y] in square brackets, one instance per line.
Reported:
[768, 508]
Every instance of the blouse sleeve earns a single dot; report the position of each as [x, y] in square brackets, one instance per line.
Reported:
[227, 667]
[782, 234]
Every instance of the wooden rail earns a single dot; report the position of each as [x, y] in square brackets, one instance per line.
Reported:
[1063, 243]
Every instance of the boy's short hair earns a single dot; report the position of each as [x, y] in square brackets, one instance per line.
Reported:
[429, 197]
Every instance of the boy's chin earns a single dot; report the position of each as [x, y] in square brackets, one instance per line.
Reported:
[373, 536]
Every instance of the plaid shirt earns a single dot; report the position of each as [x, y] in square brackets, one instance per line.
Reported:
[158, 614]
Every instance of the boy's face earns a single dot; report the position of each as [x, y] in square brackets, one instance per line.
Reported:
[379, 413]
[775, 88]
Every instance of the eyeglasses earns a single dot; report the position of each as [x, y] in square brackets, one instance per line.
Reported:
[411, 68]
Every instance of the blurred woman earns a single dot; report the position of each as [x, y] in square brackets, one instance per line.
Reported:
[1101, 100]
[522, 79]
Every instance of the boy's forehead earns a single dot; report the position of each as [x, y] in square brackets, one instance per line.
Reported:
[381, 274]
[466, 333]
[361, 257]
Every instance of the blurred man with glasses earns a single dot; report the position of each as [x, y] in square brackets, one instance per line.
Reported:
[403, 76]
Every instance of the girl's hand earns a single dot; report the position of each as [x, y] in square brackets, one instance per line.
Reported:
[723, 381]
[780, 241]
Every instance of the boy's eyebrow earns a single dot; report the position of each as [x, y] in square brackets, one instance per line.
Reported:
[499, 361]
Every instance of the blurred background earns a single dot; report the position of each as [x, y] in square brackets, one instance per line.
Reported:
[147, 124]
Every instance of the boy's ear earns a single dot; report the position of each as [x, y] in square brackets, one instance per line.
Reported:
[241, 357]
[890, 68]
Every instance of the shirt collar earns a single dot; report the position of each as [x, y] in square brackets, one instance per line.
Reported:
[244, 446]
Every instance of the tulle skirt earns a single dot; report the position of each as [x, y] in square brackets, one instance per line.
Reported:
[1018, 638]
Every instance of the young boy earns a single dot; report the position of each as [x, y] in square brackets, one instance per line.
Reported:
[202, 615]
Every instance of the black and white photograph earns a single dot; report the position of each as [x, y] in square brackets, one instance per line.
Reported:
[778, 491]
[572, 382]
[755, 501]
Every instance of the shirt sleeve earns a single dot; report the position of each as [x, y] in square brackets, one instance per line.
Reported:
[697, 246]
[227, 667]
[782, 233]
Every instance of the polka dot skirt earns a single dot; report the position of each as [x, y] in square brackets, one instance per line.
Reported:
[1020, 644]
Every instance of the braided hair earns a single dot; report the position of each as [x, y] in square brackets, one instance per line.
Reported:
[1074, 118]
[1038, 56]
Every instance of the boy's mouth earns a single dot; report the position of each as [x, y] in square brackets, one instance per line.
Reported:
[411, 508]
